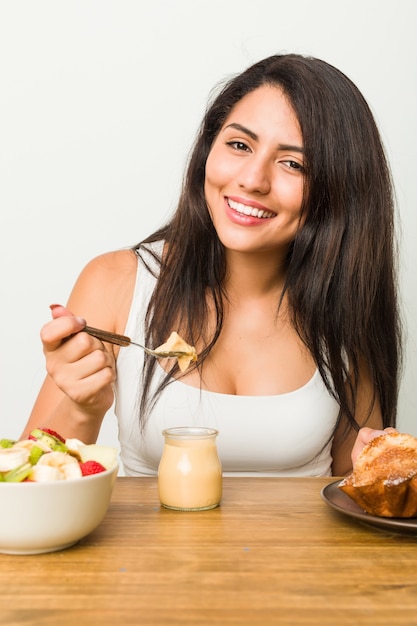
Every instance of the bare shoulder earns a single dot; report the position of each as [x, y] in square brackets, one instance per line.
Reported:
[104, 289]
[113, 266]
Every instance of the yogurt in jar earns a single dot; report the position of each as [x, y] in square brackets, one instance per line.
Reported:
[190, 472]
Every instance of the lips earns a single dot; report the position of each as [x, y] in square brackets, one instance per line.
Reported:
[245, 209]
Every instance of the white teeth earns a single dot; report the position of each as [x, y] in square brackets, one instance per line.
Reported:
[249, 210]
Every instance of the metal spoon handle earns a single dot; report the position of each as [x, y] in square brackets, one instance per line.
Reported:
[105, 335]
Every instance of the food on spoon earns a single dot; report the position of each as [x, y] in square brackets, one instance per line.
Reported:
[384, 479]
[175, 343]
[47, 456]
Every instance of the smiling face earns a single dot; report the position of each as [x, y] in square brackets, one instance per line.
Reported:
[255, 174]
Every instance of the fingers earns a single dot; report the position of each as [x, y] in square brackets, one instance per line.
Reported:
[63, 325]
[58, 310]
[87, 379]
[365, 436]
[79, 364]
[79, 357]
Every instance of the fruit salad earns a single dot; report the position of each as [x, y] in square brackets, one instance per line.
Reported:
[47, 456]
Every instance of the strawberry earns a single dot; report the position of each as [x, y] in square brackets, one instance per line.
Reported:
[91, 467]
[49, 431]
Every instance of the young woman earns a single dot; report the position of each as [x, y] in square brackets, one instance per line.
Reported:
[278, 266]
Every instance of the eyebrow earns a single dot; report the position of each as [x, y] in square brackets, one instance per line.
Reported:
[255, 137]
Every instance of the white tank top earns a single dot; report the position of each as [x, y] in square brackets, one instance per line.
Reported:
[283, 435]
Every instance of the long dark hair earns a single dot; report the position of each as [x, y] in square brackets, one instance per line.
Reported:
[341, 273]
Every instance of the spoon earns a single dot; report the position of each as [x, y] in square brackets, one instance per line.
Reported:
[122, 340]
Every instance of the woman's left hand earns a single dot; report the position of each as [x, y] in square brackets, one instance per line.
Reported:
[365, 435]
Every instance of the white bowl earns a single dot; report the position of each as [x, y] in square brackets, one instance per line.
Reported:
[38, 517]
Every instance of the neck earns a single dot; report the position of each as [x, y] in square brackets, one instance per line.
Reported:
[254, 276]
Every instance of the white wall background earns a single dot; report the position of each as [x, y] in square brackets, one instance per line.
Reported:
[99, 103]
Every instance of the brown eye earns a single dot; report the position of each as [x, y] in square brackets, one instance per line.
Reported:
[238, 145]
[293, 165]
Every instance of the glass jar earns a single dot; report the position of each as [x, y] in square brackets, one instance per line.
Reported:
[190, 472]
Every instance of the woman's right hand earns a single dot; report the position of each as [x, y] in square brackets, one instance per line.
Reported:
[80, 365]
[78, 390]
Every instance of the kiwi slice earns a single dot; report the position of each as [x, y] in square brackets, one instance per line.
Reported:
[35, 454]
[7, 443]
[18, 474]
[53, 442]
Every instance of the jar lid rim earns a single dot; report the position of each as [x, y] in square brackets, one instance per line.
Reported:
[190, 432]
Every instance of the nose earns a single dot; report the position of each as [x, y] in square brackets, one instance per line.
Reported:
[254, 175]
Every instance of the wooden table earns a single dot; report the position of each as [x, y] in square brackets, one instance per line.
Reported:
[273, 553]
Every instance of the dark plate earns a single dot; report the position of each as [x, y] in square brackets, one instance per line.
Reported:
[341, 502]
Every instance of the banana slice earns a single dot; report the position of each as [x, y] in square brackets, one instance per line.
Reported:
[10, 458]
[56, 466]
[45, 473]
[31, 443]
[74, 446]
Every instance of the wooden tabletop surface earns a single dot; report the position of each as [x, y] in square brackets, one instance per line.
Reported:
[273, 553]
